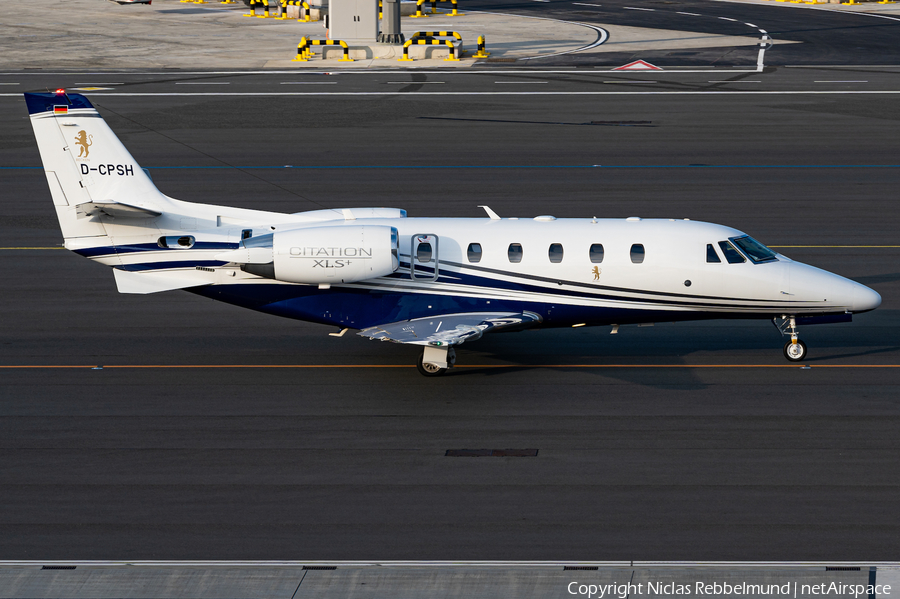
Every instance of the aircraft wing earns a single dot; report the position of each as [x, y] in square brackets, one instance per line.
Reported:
[450, 329]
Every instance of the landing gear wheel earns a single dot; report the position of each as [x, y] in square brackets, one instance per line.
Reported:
[794, 352]
[429, 368]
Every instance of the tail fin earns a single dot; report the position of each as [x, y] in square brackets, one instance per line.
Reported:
[87, 167]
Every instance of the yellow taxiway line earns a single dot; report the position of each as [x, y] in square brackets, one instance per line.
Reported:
[529, 366]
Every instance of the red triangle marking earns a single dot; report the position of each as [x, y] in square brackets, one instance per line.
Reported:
[638, 65]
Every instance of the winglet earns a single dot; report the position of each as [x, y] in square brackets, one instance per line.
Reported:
[491, 213]
[59, 102]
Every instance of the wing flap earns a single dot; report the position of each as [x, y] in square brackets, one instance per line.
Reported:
[152, 282]
[449, 329]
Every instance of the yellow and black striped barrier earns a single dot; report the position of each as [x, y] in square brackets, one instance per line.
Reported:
[429, 41]
[304, 50]
[436, 34]
[482, 53]
[264, 4]
[304, 5]
[419, 14]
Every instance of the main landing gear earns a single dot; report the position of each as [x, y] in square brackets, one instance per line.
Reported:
[794, 350]
[435, 361]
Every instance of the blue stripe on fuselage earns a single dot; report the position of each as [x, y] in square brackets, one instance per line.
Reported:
[171, 264]
[151, 247]
[361, 308]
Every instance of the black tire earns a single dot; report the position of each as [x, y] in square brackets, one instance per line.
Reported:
[796, 353]
[428, 370]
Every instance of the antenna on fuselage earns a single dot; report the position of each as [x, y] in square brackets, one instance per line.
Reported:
[491, 213]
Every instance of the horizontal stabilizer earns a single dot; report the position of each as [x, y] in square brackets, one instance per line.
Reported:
[152, 282]
[114, 209]
[449, 329]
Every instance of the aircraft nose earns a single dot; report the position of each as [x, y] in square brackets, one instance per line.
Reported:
[865, 299]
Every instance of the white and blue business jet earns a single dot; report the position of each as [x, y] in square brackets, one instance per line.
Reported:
[433, 282]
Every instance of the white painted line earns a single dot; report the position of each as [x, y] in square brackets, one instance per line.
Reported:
[636, 8]
[309, 83]
[630, 82]
[9, 84]
[519, 82]
[737, 92]
[763, 31]
[202, 83]
[724, 81]
[413, 82]
[602, 35]
[95, 83]
[840, 81]
[585, 4]
[749, 24]
[690, 14]
[727, 19]
[842, 66]
[381, 564]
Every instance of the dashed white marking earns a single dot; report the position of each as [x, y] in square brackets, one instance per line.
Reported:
[202, 83]
[629, 82]
[750, 25]
[585, 4]
[727, 19]
[413, 82]
[840, 81]
[690, 14]
[522, 82]
[636, 8]
[309, 83]
[9, 84]
[726, 81]
[763, 31]
[735, 93]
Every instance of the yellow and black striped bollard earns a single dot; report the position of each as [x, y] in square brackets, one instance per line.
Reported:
[481, 51]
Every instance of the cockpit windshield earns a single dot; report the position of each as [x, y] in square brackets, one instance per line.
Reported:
[754, 250]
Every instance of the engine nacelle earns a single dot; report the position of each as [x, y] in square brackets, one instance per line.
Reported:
[341, 254]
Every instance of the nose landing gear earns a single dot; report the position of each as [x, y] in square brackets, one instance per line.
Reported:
[794, 350]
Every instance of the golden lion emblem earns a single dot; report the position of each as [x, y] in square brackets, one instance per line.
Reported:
[85, 141]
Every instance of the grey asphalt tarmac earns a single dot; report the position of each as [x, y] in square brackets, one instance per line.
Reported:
[688, 441]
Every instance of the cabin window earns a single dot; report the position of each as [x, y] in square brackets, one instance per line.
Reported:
[731, 255]
[423, 253]
[556, 253]
[754, 250]
[711, 256]
[474, 252]
[596, 253]
[637, 253]
[515, 253]
[246, 233]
